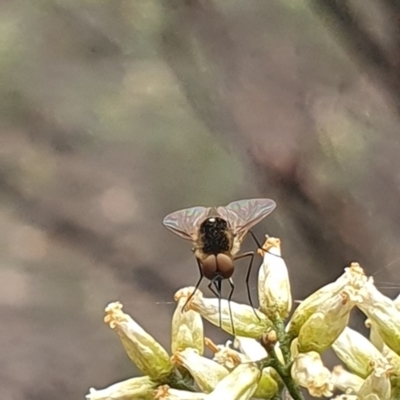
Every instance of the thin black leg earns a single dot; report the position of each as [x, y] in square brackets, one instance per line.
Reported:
[217, 282]
[259, 245]
[251, 255]
[229, 304]
[256, 240]
[197, 285]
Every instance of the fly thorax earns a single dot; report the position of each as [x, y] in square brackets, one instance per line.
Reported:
[215, 236]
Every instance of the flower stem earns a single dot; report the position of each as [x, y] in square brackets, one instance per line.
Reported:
[282, 369]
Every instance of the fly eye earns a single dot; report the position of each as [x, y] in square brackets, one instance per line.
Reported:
[224, 266]
[209, 265]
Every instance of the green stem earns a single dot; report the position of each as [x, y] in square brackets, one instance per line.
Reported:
[284, 340]
[283, 369]
[284, 373]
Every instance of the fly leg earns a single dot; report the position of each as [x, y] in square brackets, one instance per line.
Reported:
[259, 245]
[197, 284]
[251, 255]
[256, 240]
[232, 285]
[217, 282]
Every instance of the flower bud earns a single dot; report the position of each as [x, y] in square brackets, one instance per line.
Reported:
[352, 280]
[205, 372]
[133, 388]
[148, 355]
[187, 326]
[383, 315]
[244, 320]
[376, 386]
[309, 371]
[324, 326]
[240, 384]
[166, 393]
[273, 282]
[358, 353]
[268, 386]
[346, 381]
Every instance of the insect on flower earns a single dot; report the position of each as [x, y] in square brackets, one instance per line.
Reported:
[216, 234]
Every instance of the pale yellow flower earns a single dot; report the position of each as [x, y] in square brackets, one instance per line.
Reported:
[251, 348]
[244, 320]
[352, 280]
[187, 326]
[324, 326]
[240, 384]
[309, 371]
[273, 282]
[134, 388]
[164, 392]
[148, 355]
[346, 381]
[269, 384]
[376, 386]
[207, 373]
[383, 315]
[358, 353]
[225, 355]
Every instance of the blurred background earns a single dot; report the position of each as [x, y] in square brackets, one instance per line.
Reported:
[116, 113]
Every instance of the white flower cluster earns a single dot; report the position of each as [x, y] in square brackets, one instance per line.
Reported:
[273, 355]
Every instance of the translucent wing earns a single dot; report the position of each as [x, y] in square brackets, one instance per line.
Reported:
[244, 214]
[185, 223]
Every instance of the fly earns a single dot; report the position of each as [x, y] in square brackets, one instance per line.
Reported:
[216, 234]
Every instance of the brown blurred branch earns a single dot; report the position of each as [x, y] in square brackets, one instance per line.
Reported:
[366, 50]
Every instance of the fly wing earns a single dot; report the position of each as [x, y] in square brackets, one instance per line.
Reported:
[244, 214]
[185, 223]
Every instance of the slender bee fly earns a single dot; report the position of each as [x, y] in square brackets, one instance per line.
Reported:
[216, 234]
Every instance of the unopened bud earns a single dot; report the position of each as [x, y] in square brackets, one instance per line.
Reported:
[207, 373]
[358, 353]
[383, 315]
[324, 326]
[243, 319]
[273, 282]
[187, 326]
[240, 384]
[148, 355]
[269, 384]
[133, 388]
[352, 280]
